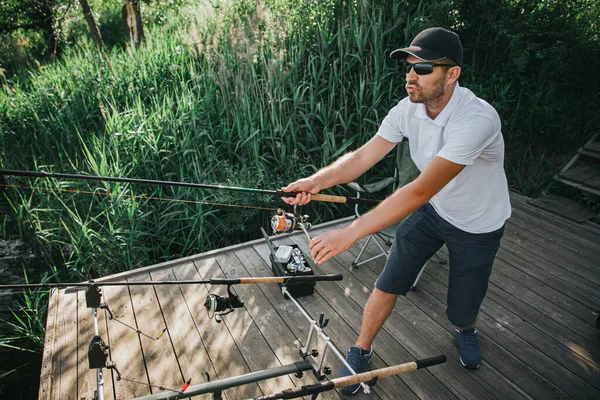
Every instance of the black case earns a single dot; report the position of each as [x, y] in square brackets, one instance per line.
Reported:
[297, 289]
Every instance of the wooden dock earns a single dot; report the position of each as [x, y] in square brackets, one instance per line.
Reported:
[536, 324]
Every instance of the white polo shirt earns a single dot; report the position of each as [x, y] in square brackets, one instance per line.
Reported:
[466, 132]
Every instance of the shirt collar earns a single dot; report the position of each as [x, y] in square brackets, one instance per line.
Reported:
[444, 116]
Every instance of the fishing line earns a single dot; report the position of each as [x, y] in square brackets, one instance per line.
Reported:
[159, 387]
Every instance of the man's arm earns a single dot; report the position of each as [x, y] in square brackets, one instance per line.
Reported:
[344, 170]
[396, 207]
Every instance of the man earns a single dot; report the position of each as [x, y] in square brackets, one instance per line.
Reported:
[460, 198]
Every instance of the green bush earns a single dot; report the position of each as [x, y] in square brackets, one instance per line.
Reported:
[275, 89]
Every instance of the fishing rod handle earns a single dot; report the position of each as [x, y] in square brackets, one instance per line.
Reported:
[327, 198]
[315, 197]
[388, 371]
[286, 279]
[354, 379]
[343, 199]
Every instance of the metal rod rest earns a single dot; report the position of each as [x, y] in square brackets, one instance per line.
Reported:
[314, 327]
[227, 383]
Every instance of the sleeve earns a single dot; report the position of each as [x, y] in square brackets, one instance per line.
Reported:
[467, 141]
[390, 127]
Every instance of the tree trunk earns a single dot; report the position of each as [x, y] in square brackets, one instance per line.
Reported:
[51, 35]
[89, 18]
[132, 15]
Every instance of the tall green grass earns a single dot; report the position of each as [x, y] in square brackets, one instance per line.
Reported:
[233, 97]
[249, 94]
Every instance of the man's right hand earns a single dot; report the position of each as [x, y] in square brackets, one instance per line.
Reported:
[305, 187]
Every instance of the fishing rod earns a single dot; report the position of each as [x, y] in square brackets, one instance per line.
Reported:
[278, 193]
[370, 376]
[218, 281]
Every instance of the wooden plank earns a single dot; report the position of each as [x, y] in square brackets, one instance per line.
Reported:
[342, 335]
[573, 236]
[584, 230]
[571, 272]
[221, 339]
[265, 315]
[500, 347]
[455, 377]
[593, 144]
[189, 328]
[585, 366]
[86, 378]
[553, 304]
[523, 349]
[538, 248]
[65, 365]
[189, 350]
[285, 326]
[580, 351]
[548, 299]
[556, 238]
[125, 348]
[161, 363]
[571, 209]
[560, 279]
[580, 173]
[513, 372]
[513, 294]
[248, 336]
[585, 268]
[433, 331]
[46, 378]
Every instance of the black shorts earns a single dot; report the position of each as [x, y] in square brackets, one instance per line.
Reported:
[471, 258]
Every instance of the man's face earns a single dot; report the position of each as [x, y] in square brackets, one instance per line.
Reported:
[425, 88]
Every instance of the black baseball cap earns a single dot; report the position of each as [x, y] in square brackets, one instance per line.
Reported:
[433, 44]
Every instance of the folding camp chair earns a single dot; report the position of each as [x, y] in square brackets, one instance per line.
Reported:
[404, 172]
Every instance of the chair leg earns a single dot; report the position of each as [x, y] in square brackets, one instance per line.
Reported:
[360, 253]
[383, 252]
[443, 257]
[414, 285]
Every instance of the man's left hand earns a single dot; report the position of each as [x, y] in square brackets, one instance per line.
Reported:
[330, 244]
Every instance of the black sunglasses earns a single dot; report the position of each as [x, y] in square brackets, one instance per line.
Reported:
[424, 68]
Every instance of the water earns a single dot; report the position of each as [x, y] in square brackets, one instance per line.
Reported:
[15, 258]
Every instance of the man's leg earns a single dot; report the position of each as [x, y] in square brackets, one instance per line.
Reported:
[417, 239]
[379, 306]
[471, 259]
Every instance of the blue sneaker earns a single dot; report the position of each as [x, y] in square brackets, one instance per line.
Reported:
[358, 361]
[468, 348]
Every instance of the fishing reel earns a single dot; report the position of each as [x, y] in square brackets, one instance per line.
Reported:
[218, 306]
[284, 222]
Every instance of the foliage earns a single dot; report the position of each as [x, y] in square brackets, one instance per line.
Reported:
[24, 14]
[534, 60]
[234, 89]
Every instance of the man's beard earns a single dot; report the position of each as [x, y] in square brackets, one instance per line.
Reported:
[429, 96]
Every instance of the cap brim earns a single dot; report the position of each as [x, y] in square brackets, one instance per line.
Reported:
[420, 53]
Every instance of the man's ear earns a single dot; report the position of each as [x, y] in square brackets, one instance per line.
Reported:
[452, 75]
